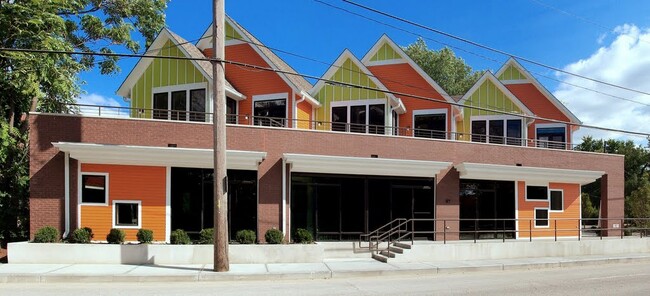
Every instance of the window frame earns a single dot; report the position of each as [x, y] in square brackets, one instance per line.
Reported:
[187, 88]
[432, 112]
[548, 218]
[547, 144]
[550, 200]
[106, 189]
[271, 97]
[548, 194]
[114, 217]
[367, 103]
[504, 119]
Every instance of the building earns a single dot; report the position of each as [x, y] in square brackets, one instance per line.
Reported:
[339, 161]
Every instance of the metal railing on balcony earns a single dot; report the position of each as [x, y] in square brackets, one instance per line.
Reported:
[345, 127]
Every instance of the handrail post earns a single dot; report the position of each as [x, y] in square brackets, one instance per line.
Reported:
[412, 231]
[579, 228]
[475, 229]
[99, 111]
[503, 235]
[444, 232]
[600, 228]
[621, 228]
[530, 230]
[555, 228]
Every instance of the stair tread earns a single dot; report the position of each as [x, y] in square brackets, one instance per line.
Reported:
[402, 245]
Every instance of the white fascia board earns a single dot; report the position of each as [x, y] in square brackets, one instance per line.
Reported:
[311, 100]
[234, 94]
[308, 163]
[158, 156]
[125, 88]
[495, 172]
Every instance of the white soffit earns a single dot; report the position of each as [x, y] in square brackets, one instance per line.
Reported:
[307, 163]
[497, 172]
[158, 156]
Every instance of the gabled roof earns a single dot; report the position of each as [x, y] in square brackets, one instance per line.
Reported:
[489, 76]
[384, 39]
[531, 79]
[345, 55]
[294, 80]
[188, 50]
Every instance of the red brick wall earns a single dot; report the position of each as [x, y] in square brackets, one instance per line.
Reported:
[46, 168]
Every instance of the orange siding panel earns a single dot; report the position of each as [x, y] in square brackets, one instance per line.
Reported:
[141, 183]
[567, 221]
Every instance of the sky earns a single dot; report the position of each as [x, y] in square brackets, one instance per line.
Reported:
[607, 40]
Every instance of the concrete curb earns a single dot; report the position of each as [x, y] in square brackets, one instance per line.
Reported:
[326, 271]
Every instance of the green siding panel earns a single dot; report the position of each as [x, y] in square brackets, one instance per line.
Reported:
[385, 53]
[231, 33]
[512, 73]
[488, 95]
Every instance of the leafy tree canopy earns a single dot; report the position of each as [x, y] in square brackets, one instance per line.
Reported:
[444, 67]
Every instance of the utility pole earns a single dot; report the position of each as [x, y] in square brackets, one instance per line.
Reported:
[219, 123]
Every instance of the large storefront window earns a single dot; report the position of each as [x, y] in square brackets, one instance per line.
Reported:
[359, 118]
[487, 209]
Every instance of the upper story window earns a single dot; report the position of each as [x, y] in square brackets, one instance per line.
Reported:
[430, 123]
[231, 111]
[368, 116]
[270, 110]
[497, 130]
[181, 102]
[551, 136]
[94, 188]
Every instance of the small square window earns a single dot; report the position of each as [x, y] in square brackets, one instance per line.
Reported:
[537, 192]
[127, 214]
[93, 189]
[557, 200]
[541, 217]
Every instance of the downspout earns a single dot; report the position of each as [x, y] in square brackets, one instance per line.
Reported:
[295, 113]
[66, 179]
[284, 196]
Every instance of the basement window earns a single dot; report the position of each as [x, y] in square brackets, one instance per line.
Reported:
[94, 188]
[126, 214]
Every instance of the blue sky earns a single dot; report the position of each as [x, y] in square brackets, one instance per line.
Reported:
[528, 28]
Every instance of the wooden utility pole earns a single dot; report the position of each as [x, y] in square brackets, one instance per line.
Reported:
[219, 121]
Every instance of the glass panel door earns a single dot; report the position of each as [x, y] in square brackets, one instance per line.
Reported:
[496, 131]
[339, 119]
[160, 105]
[514, 132]
[179, 105]
[358, 119]
[197, 105]
[376, 119]
[479, 131]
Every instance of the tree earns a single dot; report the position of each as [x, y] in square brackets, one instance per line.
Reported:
[444, 67]
[47, 82]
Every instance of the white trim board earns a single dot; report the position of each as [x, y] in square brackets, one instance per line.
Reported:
[535, 175]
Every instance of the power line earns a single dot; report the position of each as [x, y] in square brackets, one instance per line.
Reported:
[490, 48]
[331, 82]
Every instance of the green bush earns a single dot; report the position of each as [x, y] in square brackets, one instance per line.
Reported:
[274, 236]
[206, 236]
[145, 236]
[179, 237]
[90, 230]
[245, 236]
[303, 236]
[115, 236]
[47, 234]
[81, 236]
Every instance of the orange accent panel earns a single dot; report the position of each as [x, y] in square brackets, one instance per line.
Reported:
[143, 183]
[403, 78]
[251, 82]
[568, 222]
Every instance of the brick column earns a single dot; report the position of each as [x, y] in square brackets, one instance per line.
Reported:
[447, 204]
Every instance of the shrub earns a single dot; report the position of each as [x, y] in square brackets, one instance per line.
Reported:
[145, 236]
[206, 236]
[274, 236]
[179, 237]
[47, 234]
[245, 236]
[90, 230]
[115, 236]
[81, 236]
[303, 236]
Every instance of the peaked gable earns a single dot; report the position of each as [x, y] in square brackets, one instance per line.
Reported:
[488, 92]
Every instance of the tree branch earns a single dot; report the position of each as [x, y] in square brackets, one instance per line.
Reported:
[93, 9]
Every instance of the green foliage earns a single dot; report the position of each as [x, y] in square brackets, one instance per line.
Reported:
[274, 236]
[47, 234]
[14, 183]
[145, 236]
[81, 236]
[179, 237]
[115, 236]
[246, 236]
[303, 236]
[588, 209]
[444, 67]
[206, 236]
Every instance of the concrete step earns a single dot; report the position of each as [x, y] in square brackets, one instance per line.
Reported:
[402, 245]
[395, 249]
[387, 254]
[380, 258]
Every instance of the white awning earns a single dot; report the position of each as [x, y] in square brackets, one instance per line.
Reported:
[307, 163]
[158, 156]
[497, 172]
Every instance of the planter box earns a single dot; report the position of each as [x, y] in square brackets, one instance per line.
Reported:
[25, 252]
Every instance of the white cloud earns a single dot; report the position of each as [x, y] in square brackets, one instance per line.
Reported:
[106, 105]
[625, 62]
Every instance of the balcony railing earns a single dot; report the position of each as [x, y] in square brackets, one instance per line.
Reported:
[345, 127]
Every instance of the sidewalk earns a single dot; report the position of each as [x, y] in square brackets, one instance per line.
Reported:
[332, 268]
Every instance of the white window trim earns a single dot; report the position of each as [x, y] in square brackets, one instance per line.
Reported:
[548, 224]
[187, 88]
[269, 97]
[551, 125]
[80, 189]
[550, 204]
[366, 103]
[548, 193]
[429, 112]
[114, 218]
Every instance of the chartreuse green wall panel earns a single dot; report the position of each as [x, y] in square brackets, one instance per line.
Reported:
[488, 95]
[385, 53]
[512, 73]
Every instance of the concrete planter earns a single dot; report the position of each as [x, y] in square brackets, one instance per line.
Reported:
[25, 252]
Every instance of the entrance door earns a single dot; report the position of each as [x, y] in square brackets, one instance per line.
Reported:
[414, 202]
